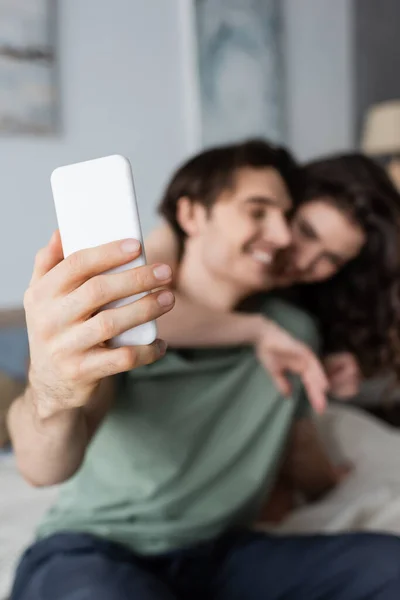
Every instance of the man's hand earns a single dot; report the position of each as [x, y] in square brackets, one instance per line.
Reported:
[344, 375]
[67, 333]
[281, 353]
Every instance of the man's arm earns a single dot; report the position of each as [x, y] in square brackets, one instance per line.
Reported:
[71, 366]
[50, 450]
[308, 468]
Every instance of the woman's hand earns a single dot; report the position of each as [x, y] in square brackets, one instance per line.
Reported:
[280, 353]
[344, 375]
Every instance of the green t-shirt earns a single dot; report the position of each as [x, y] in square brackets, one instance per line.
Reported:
[189, 450]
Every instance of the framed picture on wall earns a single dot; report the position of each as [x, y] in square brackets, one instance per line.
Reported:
[240, 64]
[27, 67]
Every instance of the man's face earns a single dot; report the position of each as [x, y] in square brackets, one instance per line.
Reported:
[246, 227]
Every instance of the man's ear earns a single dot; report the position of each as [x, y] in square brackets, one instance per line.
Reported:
[190, 216]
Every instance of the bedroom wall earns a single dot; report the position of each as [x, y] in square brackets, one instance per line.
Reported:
[319, 60]
[122, 90]
[128, 85]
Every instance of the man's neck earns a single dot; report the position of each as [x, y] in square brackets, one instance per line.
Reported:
[201, 285]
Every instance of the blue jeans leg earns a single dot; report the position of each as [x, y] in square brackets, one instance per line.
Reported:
[80, 567]
[335, 567]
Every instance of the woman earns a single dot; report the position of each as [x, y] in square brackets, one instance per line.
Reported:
[345, 230]
[356, 300]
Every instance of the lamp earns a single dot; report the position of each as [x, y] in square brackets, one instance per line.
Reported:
[381, 135]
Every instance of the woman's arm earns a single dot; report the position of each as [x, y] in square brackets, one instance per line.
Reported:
[191, 325]
[194, 326]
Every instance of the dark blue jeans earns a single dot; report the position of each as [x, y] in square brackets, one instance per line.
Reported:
[248, 566]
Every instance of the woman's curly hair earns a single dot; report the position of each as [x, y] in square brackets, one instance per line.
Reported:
[359, 308]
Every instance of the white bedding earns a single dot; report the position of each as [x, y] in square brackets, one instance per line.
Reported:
[368, 500]
[21, 507]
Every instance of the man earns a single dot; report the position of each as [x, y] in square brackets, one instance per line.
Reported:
[163, 495]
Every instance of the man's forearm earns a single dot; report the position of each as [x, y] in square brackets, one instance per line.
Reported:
[48, 451]
[193, 325]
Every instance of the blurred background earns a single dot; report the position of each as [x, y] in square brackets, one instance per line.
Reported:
[158, 79]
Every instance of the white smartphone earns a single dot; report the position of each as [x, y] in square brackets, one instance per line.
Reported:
[95, 204]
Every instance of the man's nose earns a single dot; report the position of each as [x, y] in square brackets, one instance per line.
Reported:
[278, 232]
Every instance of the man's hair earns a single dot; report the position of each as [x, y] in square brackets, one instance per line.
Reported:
[204, 177]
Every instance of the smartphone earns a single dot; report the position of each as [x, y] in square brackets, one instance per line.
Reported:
[95, 204]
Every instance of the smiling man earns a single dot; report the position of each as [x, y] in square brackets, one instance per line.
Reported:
[179, 459]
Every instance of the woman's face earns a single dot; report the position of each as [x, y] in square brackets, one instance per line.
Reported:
[324, 239]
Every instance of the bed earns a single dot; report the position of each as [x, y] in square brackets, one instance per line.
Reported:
[21, 507]
[368, 500]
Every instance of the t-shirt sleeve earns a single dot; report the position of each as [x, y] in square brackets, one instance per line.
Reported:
[303, 407]
[295, 320]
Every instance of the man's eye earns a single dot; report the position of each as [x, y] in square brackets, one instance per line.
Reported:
[257, 213]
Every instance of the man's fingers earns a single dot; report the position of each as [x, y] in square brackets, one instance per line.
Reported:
[80, 266]
[103, 289]
[111, 322]
[47, 258]
[104, 362]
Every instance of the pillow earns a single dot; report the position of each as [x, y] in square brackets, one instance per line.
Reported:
[9, 389]
[14, 351]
